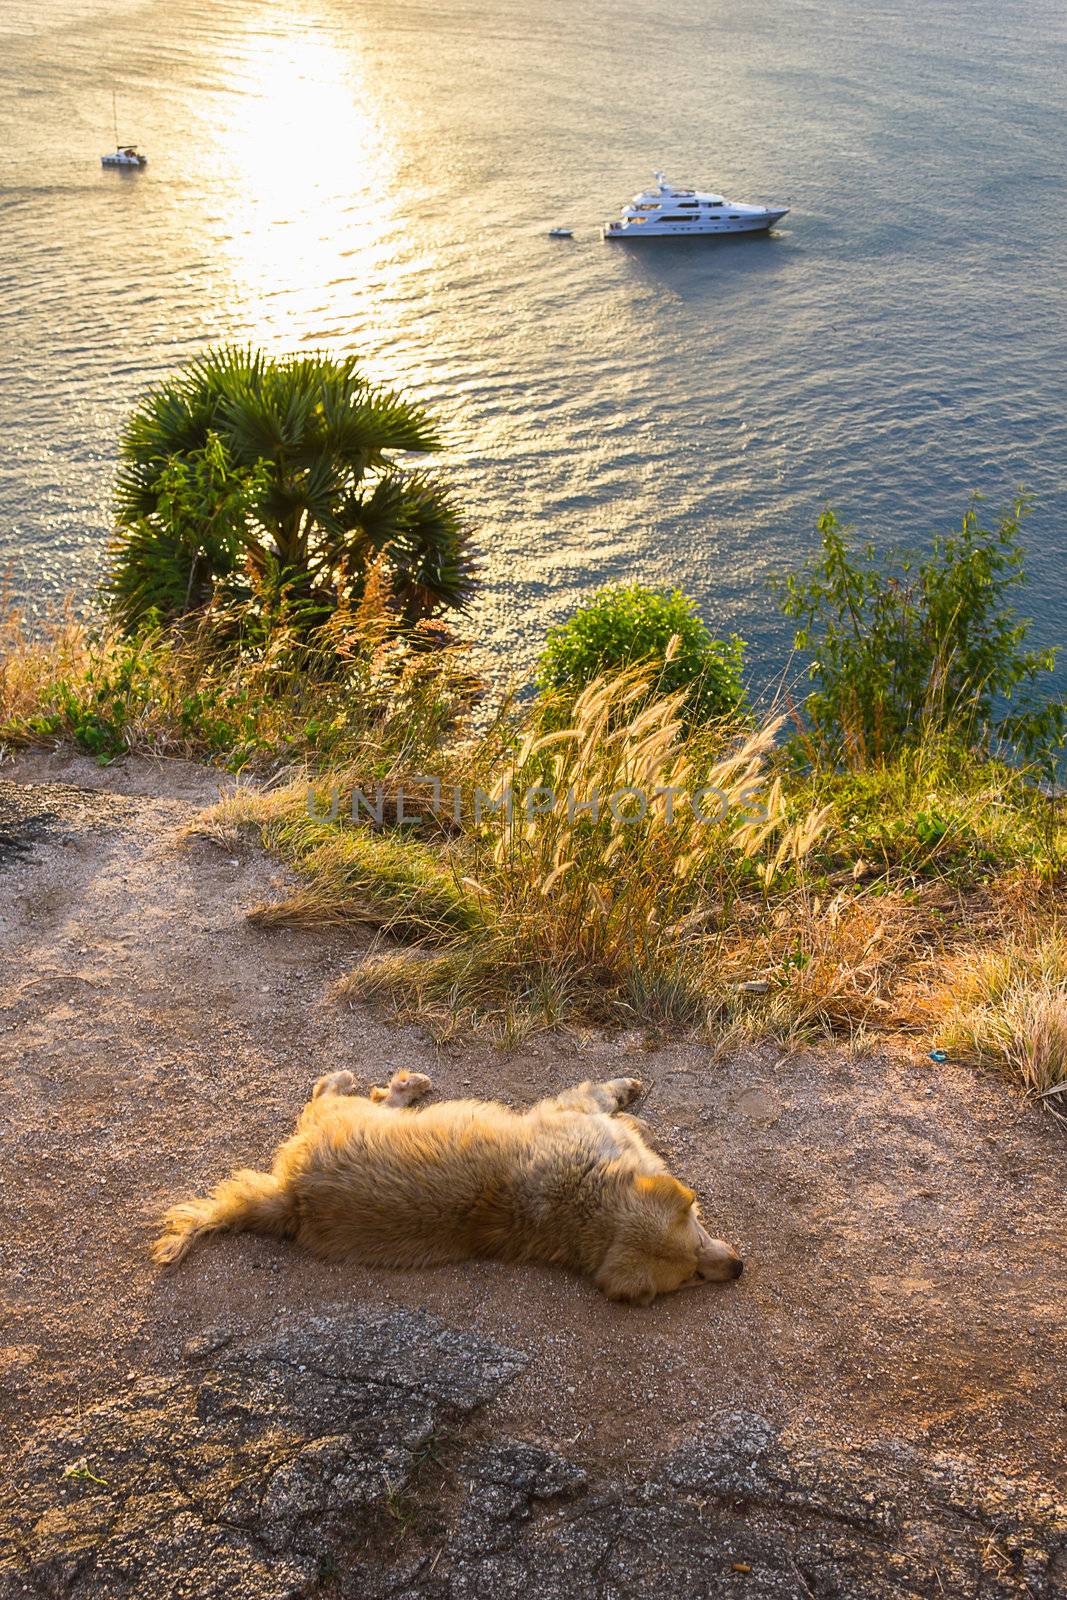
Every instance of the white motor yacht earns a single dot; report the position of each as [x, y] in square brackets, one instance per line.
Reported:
[672, 212]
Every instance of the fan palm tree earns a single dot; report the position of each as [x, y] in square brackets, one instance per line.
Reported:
[281, 475]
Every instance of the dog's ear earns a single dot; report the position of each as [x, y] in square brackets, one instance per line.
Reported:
[624, 1276]
[668, 1191]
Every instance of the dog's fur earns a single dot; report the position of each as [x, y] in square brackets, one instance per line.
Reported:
[574, 1181]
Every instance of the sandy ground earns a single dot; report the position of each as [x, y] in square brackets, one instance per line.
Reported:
[903, 1224]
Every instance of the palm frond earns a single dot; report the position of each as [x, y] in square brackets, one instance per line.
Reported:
[415, 521]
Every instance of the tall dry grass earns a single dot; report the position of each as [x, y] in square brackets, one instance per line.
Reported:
[203, 689]
[832, 965]
[619, 901]
[1006, 1006]
[34, 658]
[801, 910]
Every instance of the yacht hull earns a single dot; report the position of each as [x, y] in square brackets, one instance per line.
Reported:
[689, 230]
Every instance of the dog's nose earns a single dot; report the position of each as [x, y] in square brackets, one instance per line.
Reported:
[719, 1264]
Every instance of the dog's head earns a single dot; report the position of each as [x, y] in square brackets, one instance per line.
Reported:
[660, 1243]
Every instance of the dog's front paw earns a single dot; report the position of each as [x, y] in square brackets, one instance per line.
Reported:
[404, 1087]
[627, 1090]
[335, 1083]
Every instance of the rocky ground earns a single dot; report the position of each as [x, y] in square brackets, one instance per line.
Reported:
[875, 1409]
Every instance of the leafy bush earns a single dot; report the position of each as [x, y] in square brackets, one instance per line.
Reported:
[278, 481]
[922, 645]
[625, 626]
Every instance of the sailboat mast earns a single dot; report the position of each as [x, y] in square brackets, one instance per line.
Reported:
[115, 116]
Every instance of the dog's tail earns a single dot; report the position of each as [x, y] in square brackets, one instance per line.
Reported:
[249, 1202]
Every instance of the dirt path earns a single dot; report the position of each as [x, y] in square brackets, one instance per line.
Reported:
[903, 1225]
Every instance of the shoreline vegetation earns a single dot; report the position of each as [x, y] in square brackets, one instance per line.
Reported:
[285, 598]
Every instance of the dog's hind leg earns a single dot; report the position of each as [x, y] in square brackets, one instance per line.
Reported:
[335, 1083]
[609, 1096]
[404, 1087]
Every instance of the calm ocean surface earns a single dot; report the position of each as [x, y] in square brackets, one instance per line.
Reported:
[377, 176]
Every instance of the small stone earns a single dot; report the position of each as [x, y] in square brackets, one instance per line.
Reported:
[205, 1344]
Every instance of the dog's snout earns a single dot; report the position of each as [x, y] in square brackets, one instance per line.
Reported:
[732, 1267]
[719, 1262]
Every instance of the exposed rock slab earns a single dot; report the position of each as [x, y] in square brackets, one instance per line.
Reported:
[282, 1469]
[250, 1472]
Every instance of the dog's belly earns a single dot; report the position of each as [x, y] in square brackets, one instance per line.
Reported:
[393, 1207]
[409, 1190]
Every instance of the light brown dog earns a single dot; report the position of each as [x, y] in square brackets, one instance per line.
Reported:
[573, 1181]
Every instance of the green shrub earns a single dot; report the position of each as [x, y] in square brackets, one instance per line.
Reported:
[913, 647]
[623, 626]
[171, 561]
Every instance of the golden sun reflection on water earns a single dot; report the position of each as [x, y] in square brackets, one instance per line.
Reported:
[309, 182]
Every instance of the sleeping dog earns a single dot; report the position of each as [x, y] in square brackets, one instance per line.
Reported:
[574, 1182]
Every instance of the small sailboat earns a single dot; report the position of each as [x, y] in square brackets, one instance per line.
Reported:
[561, 233]
[124, 155]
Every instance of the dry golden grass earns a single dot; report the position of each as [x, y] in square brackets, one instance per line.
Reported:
[351, 874]
[833, 966]
[811, 902]
[820, 915]
[1006, 1005]
[576, 912]
[32, 660]
[516, 922]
